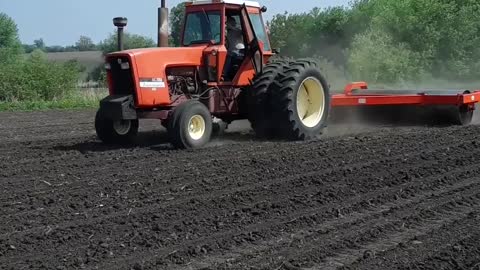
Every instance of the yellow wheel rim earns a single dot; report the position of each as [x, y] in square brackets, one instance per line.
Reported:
[196, 127]
[310, 102]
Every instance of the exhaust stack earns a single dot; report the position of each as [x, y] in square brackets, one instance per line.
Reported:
[162, 25]
[120, 23]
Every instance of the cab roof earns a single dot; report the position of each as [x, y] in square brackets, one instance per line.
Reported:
[234, 2]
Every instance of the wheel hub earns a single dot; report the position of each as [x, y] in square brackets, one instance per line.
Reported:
[196, 127]
[122, 127]
[310, 102]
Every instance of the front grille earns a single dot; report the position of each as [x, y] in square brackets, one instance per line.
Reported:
[122, 78]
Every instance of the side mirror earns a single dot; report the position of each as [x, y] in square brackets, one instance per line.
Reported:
[276, 51]
[263, 9]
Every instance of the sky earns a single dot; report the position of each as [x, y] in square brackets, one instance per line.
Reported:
[62, 22]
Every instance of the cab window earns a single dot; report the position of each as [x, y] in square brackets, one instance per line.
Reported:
[260, 30]
[202, 27]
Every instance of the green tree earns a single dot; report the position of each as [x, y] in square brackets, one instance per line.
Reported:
[36, 78]
[375, 57]
[328, 33]
[318, 32]
[131, 41]
[439, 37]
[289, 33]
[55, 48]
[28, 48]
[85, 44]
[39, 44]
[10, 46]
[177, 15]
[31, 78]
[444, 34]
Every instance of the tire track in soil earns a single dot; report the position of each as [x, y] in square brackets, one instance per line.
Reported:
[221, 151]
[449, 247]
[271, 182]
[391, 158]
[258, 198]
[329, 223]
[90, 160]
[462, 170]
[427, 216]
[335, 232]
[95, 172]
[66, 186]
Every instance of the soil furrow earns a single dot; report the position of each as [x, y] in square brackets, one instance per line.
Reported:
[372, 198]
[287, 183]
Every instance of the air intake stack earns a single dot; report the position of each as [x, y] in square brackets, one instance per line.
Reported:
[120, 23]
[162, 25]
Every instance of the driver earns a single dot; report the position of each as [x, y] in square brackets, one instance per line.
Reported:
[234, 36]
[234, 43]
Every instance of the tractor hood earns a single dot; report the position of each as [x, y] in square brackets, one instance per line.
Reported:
[146, 70]
[156, 58]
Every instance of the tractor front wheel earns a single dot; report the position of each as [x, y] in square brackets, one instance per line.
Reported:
[111, 131]
[190, 125]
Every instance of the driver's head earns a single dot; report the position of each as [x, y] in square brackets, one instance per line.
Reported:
[231, 23]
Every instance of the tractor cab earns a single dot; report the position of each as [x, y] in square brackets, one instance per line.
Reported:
[235, 36]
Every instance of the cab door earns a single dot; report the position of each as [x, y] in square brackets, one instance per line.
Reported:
[254, 52]
[253, 60]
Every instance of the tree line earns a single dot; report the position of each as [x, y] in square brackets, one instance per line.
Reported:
[379, 41]
[388, 41]
[109, 44]
[85, 43]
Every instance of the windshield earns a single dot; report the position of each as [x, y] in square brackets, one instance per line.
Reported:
[201, 27]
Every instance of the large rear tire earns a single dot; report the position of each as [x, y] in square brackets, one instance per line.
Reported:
[111, 131]
[300, 101]
[190, 125]
[259, 110]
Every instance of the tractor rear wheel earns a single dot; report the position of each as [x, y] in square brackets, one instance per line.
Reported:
[300, 101]
[259, 110]
[190, 125]
[112, 131]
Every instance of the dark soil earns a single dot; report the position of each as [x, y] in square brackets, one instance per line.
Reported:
[365, 198]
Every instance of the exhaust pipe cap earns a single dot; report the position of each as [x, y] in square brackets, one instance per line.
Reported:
[120, 21]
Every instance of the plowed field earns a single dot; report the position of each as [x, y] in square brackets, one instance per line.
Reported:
[357, 198]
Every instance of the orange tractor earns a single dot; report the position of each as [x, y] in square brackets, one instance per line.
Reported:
[224, 70]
